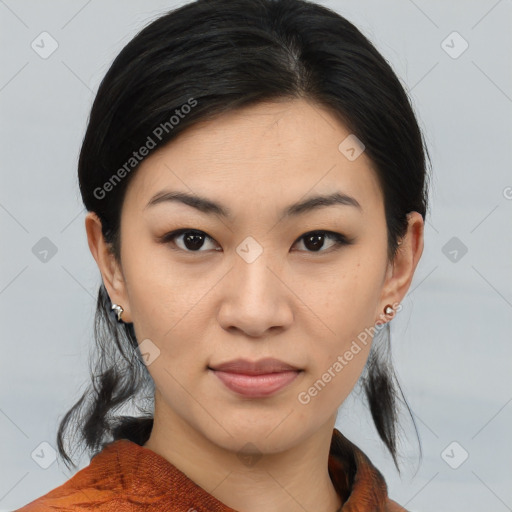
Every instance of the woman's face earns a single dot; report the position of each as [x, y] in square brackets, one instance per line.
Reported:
[243, 282]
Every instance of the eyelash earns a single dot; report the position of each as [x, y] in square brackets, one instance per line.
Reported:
[338, 238]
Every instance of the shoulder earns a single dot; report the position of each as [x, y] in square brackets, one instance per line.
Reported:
[75, 503]
[98, 486]
[77, 495]
[393, 506]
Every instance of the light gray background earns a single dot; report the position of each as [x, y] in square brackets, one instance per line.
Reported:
[451, 342]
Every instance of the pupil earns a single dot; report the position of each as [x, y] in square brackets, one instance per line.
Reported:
[194, 240]
[317, 244]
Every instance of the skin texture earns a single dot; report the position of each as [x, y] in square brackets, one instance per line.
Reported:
[293, 303]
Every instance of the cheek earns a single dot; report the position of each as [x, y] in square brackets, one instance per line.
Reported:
[345, 298]
[157, 290]
[169, 306]
[345, 303]
[335, 368]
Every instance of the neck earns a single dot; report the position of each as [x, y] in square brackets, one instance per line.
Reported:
[289, 481]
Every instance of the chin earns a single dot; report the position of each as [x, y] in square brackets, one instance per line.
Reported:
[253, 435]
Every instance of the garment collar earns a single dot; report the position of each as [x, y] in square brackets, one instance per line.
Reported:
[149, 478]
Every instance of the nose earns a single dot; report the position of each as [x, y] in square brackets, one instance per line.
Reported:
[256, 298]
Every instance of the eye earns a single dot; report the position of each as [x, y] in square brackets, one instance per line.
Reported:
[189, 240]
[192, 240]
[314, 240]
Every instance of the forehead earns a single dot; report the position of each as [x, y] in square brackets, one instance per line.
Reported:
[275, 152]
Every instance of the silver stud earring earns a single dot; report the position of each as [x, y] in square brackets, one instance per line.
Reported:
[119, 310]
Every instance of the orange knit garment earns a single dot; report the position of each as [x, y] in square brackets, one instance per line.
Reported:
[126, 477]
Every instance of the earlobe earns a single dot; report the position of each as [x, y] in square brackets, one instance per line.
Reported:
[107, 263]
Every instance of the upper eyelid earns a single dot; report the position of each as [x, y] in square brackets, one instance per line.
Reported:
[181, 231]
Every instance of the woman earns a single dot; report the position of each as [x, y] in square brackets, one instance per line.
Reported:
[256, 185]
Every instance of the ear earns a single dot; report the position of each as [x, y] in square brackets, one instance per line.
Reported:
[110, 269]
[401, 270]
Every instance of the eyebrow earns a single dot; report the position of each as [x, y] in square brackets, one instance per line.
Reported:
[208, 206]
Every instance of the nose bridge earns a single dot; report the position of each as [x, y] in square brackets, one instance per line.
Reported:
[252, 273]
[256, 299]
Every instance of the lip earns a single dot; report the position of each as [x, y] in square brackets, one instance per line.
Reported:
[261, 367]
[256, 379]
